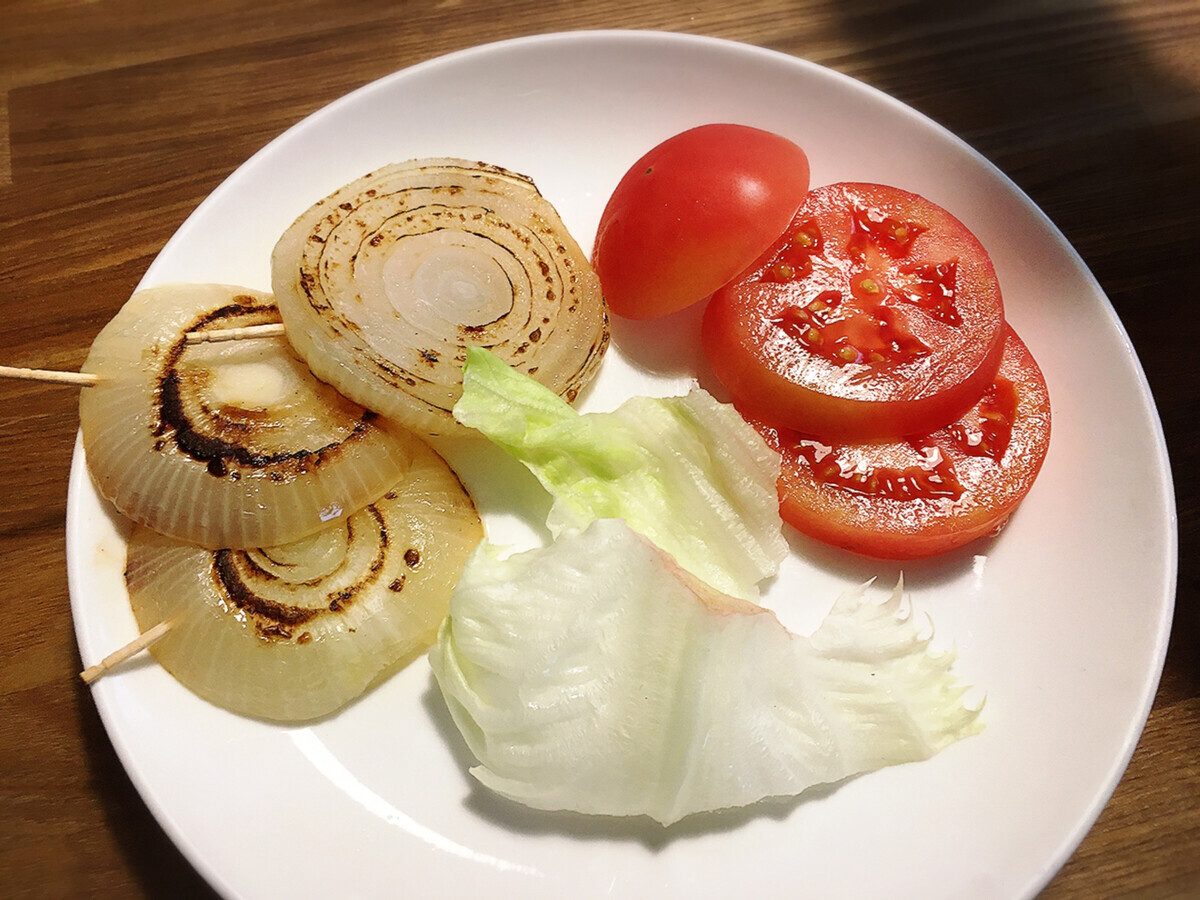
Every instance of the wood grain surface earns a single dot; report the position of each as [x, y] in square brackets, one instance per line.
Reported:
[118, 117]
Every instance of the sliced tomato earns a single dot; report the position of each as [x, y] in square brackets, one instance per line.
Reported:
[877, 314]
[693, 213]
[923, 495]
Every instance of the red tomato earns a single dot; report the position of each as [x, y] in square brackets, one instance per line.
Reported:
[877, 314]
[926, 495]
[693, 213]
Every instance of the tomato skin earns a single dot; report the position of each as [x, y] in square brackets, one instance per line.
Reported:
[692, 213]
[934, 356]
[890, 528]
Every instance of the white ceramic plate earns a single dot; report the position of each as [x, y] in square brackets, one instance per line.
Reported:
[1063, 619]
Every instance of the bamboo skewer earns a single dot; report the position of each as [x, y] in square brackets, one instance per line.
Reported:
[82, 379]
[86, 379]
[133, 648]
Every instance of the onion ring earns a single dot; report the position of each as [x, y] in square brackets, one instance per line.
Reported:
[383, 284]
[295, 632]
[232, 444]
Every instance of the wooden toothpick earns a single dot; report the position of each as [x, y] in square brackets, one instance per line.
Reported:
[134, 647]
[236, 334]
[82, 379]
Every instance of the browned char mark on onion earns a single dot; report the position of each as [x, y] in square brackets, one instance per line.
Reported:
[224, 453]
[237, 575]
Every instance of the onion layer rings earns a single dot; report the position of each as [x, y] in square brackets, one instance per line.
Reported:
[230, 444]
[383, 284]
[294, 632]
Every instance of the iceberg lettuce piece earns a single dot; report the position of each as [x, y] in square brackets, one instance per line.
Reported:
[686, 472]
[595, 675]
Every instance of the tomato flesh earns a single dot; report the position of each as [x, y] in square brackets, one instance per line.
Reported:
[925, 494]
[694, 212]
[877, 314]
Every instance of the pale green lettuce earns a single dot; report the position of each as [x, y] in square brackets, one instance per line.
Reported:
[686, 472]
[623, 669]
[594, 675]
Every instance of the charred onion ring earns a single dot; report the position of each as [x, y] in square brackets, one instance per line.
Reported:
[294, 632]
[384, 283]
[231, 444]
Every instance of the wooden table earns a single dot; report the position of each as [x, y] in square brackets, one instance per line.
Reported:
[117, 117]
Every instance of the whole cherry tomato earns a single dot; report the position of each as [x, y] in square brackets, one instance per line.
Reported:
[694, 212]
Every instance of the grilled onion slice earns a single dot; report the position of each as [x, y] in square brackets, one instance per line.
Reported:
[384, 283]
[295, 632]
[231, 444]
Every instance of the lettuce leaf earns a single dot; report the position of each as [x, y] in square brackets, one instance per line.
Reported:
[595, 675]
[686, 472]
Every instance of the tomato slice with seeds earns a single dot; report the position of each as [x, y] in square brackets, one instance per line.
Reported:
[877, 314]
[928, 494]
